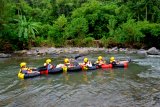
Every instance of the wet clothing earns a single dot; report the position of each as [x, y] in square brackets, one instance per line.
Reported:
[100, 62]
[69, 65]
[50, 66]
[88, 64]
[113, 63]
[63, 65]
[25, 70]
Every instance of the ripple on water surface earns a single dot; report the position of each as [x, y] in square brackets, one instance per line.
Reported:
[154, 62]
[99, 88]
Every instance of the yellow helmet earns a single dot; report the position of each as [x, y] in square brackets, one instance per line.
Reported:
[100, 58]
[66, 60]
[85, 59]
[112, 58]
[22, 64]
[48, 61]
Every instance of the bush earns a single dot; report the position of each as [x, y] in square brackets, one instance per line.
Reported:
[88, 42]
[103, 41]
[5, 46]
[40, 41]
[109, 42]
[129, 32]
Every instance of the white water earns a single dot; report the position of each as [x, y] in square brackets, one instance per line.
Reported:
[154, 70]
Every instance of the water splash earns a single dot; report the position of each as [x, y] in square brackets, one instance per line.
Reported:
[154, 62]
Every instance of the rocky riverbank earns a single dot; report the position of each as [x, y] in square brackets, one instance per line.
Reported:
[41, 51]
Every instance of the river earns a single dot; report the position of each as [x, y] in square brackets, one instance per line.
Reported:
[136, 86]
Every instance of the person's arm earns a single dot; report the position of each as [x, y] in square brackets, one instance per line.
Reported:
[49, 66]
[29, 70]
[96, 62]
[24, 71]
[114, 63]
[60, 65]
[102, 62]
[89, 64]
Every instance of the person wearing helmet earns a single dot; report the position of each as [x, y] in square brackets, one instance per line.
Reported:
[24, 69]
[113, 61]
[48, 64]
[100, 61]
[67, 63]
[87, 62]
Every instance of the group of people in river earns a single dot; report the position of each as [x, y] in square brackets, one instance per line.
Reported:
[67, 63]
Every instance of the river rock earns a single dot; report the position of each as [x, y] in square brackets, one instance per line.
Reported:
[153, 51]
[2, 55]
[83, 51]
[131, 52]
[123, 49]
[142, 52]
[114, 49]
[21, 52]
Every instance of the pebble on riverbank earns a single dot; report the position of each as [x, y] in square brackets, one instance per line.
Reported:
[2, 55]
[41, 51]
[73, 50]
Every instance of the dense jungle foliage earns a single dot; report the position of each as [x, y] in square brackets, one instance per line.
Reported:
[61, 23]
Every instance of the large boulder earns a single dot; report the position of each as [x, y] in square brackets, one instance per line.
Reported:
[142, 52]
[153, 51]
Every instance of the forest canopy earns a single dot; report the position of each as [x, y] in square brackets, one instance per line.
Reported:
[61, 23]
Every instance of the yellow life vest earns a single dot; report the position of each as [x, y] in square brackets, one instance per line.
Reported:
[20, 75]
[64, 69]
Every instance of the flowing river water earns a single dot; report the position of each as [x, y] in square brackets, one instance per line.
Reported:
[136, 86]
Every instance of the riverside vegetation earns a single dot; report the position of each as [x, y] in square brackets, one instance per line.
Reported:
[79, 23]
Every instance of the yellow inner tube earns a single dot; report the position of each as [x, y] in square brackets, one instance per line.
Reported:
[20, 75]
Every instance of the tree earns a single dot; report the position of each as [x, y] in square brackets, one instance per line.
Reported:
[56, 32]
[129, 32]
[77, 28]
[26, 30]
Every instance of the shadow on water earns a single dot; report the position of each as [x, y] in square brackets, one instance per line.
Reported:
[99, 88]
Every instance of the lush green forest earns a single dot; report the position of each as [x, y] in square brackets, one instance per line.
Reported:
[61, 23]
